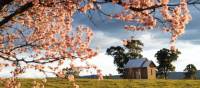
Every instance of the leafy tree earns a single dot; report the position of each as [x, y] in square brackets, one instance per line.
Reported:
[165, 57]
[134, 48]
[131, 50]
[190, 70]
[119, 57]
[72, 71]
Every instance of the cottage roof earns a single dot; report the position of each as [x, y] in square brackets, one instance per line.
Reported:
[135, 63]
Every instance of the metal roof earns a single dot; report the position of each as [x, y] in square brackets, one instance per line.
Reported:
[135, 63]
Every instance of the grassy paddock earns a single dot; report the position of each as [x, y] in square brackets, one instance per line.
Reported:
[114, 83]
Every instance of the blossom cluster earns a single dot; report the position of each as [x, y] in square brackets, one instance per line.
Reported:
[140, 13]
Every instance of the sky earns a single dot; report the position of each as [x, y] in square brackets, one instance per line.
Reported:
[111, 33]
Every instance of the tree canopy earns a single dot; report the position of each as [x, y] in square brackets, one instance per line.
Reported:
[165, 57]
[190, 71]
[131, 50]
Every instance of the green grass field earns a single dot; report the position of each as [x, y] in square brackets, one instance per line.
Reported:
[116, 83]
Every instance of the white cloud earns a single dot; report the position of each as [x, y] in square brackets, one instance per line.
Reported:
[189, 51]
[152, 43]
[189, 55]
[103, 62]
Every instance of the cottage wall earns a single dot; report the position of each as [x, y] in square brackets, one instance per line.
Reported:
[140, 69]
[151, 72]
[136, 73]
[141, 73]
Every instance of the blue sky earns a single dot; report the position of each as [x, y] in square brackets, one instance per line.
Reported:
[110, 33]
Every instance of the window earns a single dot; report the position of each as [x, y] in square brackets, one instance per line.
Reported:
[151, 72]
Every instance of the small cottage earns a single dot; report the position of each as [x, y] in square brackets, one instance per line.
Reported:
[140, 69]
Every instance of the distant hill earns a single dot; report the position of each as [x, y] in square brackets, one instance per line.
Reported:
[171, 75]
[180, 75]
[88, 76]
[106, 77]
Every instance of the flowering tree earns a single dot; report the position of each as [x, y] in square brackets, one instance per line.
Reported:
[44, 28]
[45, 32]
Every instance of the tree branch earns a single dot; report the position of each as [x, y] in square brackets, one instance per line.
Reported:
[18, 11]
[4, 2]
[190, 2]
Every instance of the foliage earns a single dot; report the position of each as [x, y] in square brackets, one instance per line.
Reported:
[119, 57]
[72, 71]
[165, 57]
[131, 50]
[134, 48]
[190, 70]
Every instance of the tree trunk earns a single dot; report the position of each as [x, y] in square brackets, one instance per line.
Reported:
[165, 73]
